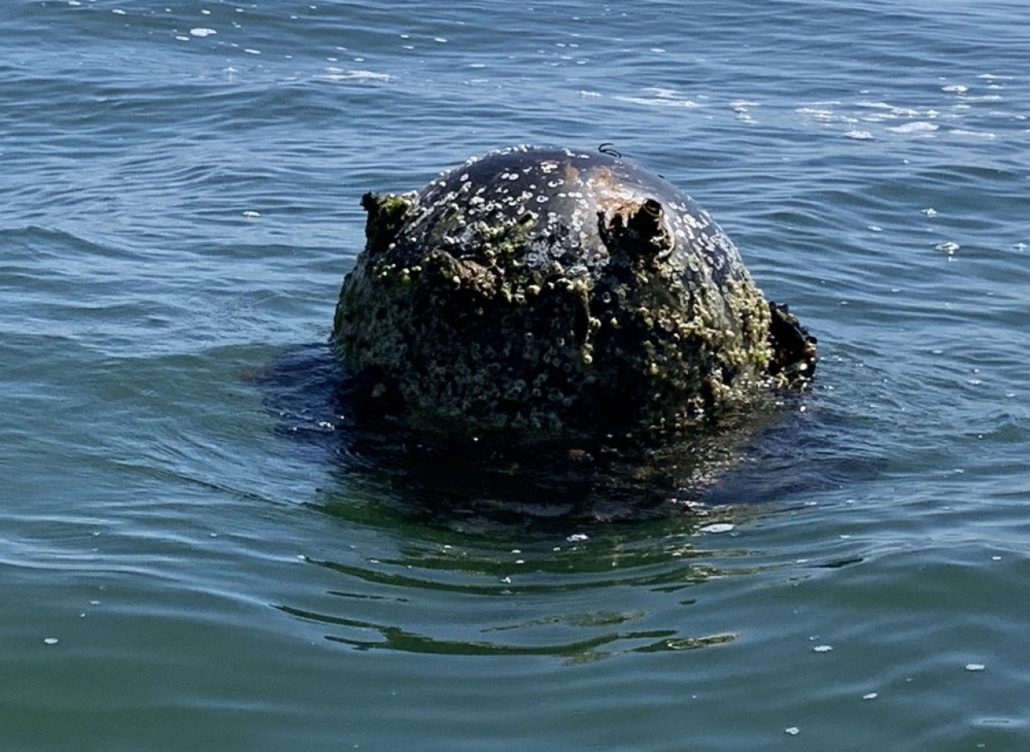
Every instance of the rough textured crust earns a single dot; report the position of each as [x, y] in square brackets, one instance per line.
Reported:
[542, 294]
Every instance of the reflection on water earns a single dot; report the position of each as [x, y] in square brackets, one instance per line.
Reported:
[519, 601]
[395, 638]
[467, 485]
[490, 554]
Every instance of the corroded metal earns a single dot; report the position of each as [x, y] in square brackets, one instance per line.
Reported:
[538, 294]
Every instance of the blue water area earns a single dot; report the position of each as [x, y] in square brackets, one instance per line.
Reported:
[196, 550]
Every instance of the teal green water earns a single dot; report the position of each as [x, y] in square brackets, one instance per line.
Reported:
[195, 553]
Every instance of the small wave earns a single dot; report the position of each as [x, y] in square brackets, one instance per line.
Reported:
[340, 74]
[915, 127]
[658, 97]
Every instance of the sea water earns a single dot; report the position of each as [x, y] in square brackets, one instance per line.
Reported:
[193, 554]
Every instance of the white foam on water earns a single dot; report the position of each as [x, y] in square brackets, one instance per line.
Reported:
[818, 114]
[659, 97]
[916, 126]
[972, 134]
[341, 74]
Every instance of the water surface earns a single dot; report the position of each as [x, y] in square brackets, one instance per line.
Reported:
[195, 553]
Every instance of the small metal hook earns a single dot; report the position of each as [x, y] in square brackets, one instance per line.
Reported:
[609, 148]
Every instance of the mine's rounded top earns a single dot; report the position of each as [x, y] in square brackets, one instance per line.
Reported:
[537, 175]
[560, 196]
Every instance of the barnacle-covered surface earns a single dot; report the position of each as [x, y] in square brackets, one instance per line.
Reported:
[538, 294]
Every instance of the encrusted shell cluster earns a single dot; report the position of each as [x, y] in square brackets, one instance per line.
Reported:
[545, 294]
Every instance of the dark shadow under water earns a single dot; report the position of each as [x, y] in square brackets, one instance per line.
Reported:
[766, 456]
[479, 529]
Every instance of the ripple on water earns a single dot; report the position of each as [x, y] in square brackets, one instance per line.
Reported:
[222, 560]
[501, 559]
